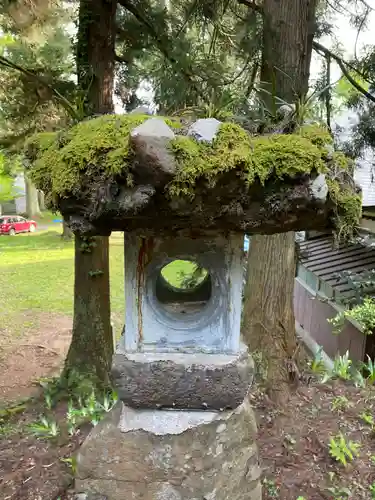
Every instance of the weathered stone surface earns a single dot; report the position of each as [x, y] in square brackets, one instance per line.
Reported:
[153, 161]
[281, 206]
[204, 129]
[195, 381]
[167, 455]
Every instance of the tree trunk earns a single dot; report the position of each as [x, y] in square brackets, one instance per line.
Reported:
[42, 205]
[67, 233]
[91, 349]
[32, 201]
[268, 319]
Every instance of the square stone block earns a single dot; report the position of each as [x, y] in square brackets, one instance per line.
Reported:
[161, 317]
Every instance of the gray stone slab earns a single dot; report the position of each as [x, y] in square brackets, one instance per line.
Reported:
[213, 458]
[174, 382]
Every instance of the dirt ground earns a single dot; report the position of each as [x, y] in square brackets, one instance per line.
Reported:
[35, 354]
[293, 442]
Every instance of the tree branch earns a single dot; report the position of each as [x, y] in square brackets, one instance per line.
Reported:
[162, 41]
[252, 5]
[64, 102]
[344, 68]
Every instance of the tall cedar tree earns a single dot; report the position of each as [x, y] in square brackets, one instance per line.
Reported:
[268, 322]
[91, 349]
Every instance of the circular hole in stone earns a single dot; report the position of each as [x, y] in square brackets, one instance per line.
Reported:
[183, 287]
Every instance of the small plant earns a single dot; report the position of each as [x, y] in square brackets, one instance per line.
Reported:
[370, 369]
[271, 487]
[72, 463]
[316, 364]
[90, 409]
[369, 420]
[343, 451]
[372, 459]
[340, 493]
[363, 313]
[342, 366]
[340, 403]
[45, 428]
[372, 491]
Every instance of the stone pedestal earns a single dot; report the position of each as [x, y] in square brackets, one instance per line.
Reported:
[171, 455]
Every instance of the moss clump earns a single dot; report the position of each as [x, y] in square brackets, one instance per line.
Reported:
[316, 134]
[91, 148]
[348, 210]
[37, 150]
[259, 158]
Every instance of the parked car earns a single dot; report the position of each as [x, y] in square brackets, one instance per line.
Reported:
[13, 224]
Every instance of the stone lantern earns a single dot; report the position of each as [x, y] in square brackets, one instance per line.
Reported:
[184, 427]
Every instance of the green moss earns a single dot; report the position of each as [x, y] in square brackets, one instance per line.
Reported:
[63, 163]
[259, 158]
[342, 161]
[95, 147]
[348, 210]
[316, 134]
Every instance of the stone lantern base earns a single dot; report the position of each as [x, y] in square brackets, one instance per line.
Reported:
[171, 455]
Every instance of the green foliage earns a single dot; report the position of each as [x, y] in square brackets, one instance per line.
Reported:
[256, 158]
[343, 368]
[317, 134]
[343, 451]
[316, 364]
[370, 369]
[89, 409]
[44, 428]
[363, 313]
[72, 463]
[43, 48]
[369, 420]
[348, 209]
[271, 487]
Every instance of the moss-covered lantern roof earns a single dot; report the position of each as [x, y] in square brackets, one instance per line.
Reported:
[150, 174]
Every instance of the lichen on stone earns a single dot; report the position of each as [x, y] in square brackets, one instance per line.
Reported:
[255, 158]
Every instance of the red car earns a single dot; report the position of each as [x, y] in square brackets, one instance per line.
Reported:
[13, 224]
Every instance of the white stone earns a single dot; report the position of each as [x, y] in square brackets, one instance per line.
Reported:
[161, 422]
[154, 127]
[319, 187]
[205, 129]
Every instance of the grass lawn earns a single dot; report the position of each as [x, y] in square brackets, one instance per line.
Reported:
[37, 273]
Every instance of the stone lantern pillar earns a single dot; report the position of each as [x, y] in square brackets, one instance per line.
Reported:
[184, 428]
